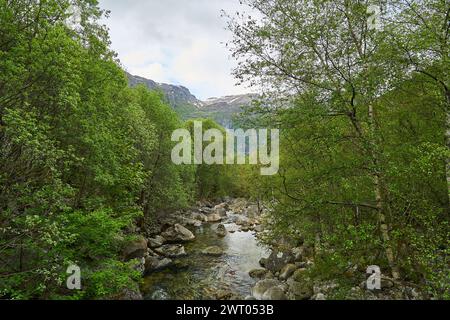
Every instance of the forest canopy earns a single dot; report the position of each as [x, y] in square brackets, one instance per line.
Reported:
[363, 116]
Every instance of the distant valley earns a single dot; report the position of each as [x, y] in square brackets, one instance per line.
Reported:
[223, 110]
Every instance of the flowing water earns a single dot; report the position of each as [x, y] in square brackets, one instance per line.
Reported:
[199, 276]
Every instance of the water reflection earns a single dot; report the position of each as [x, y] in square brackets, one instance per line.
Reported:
[198, 276]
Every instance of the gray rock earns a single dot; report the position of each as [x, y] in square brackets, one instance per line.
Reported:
[277, 260]
[205, 210]
[221, 212]
[262, 286]
[199, 216]
[298, 254]
[155, 263]
[287, 271]
[249, 298]
[150, 252]
[222, 205]
[156, 242]
[274, 293]
[242, 221]
[221, 231]
[171, 250]
[192, 222]
[135, 249]
[178, 233]
[258, 273]
[214, 217]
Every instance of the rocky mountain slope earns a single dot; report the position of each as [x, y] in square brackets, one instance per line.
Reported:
[188, 106]
[175, 95]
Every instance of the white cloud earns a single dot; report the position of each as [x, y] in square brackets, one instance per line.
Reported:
[175, 41]
[154, 71]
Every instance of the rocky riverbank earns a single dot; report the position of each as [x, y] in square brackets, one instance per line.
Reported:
[210, 232]
[211, 252]
[286, 275]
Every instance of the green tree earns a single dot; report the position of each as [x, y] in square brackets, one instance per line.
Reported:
[332, 85]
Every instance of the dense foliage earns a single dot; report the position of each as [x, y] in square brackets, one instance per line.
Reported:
[363, 113]
[82, 156]
[364, 117]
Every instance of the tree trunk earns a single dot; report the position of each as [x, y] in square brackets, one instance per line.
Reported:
[384, 228]
[447, 136]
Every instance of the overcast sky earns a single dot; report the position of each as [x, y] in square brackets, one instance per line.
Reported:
[175, 41]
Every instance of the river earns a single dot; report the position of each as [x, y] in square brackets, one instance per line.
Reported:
[199, 276]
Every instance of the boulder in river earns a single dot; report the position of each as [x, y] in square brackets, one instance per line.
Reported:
[278, 259]
[213, 251]
[221, 231]
[262, 286]
[258, 273]
[171, 250]
[199, 216]
[135, 249]
[178, 233]
[221, 212]
[205, 210]
[191, 222]
[242, 221]
[222, 205]
[156, 263]
[156, 242]
[214, 217]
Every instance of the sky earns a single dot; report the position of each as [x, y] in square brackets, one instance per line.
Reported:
[179, 42]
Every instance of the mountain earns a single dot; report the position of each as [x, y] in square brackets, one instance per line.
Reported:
[221, 109]
[224, 109]
[175, 95]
